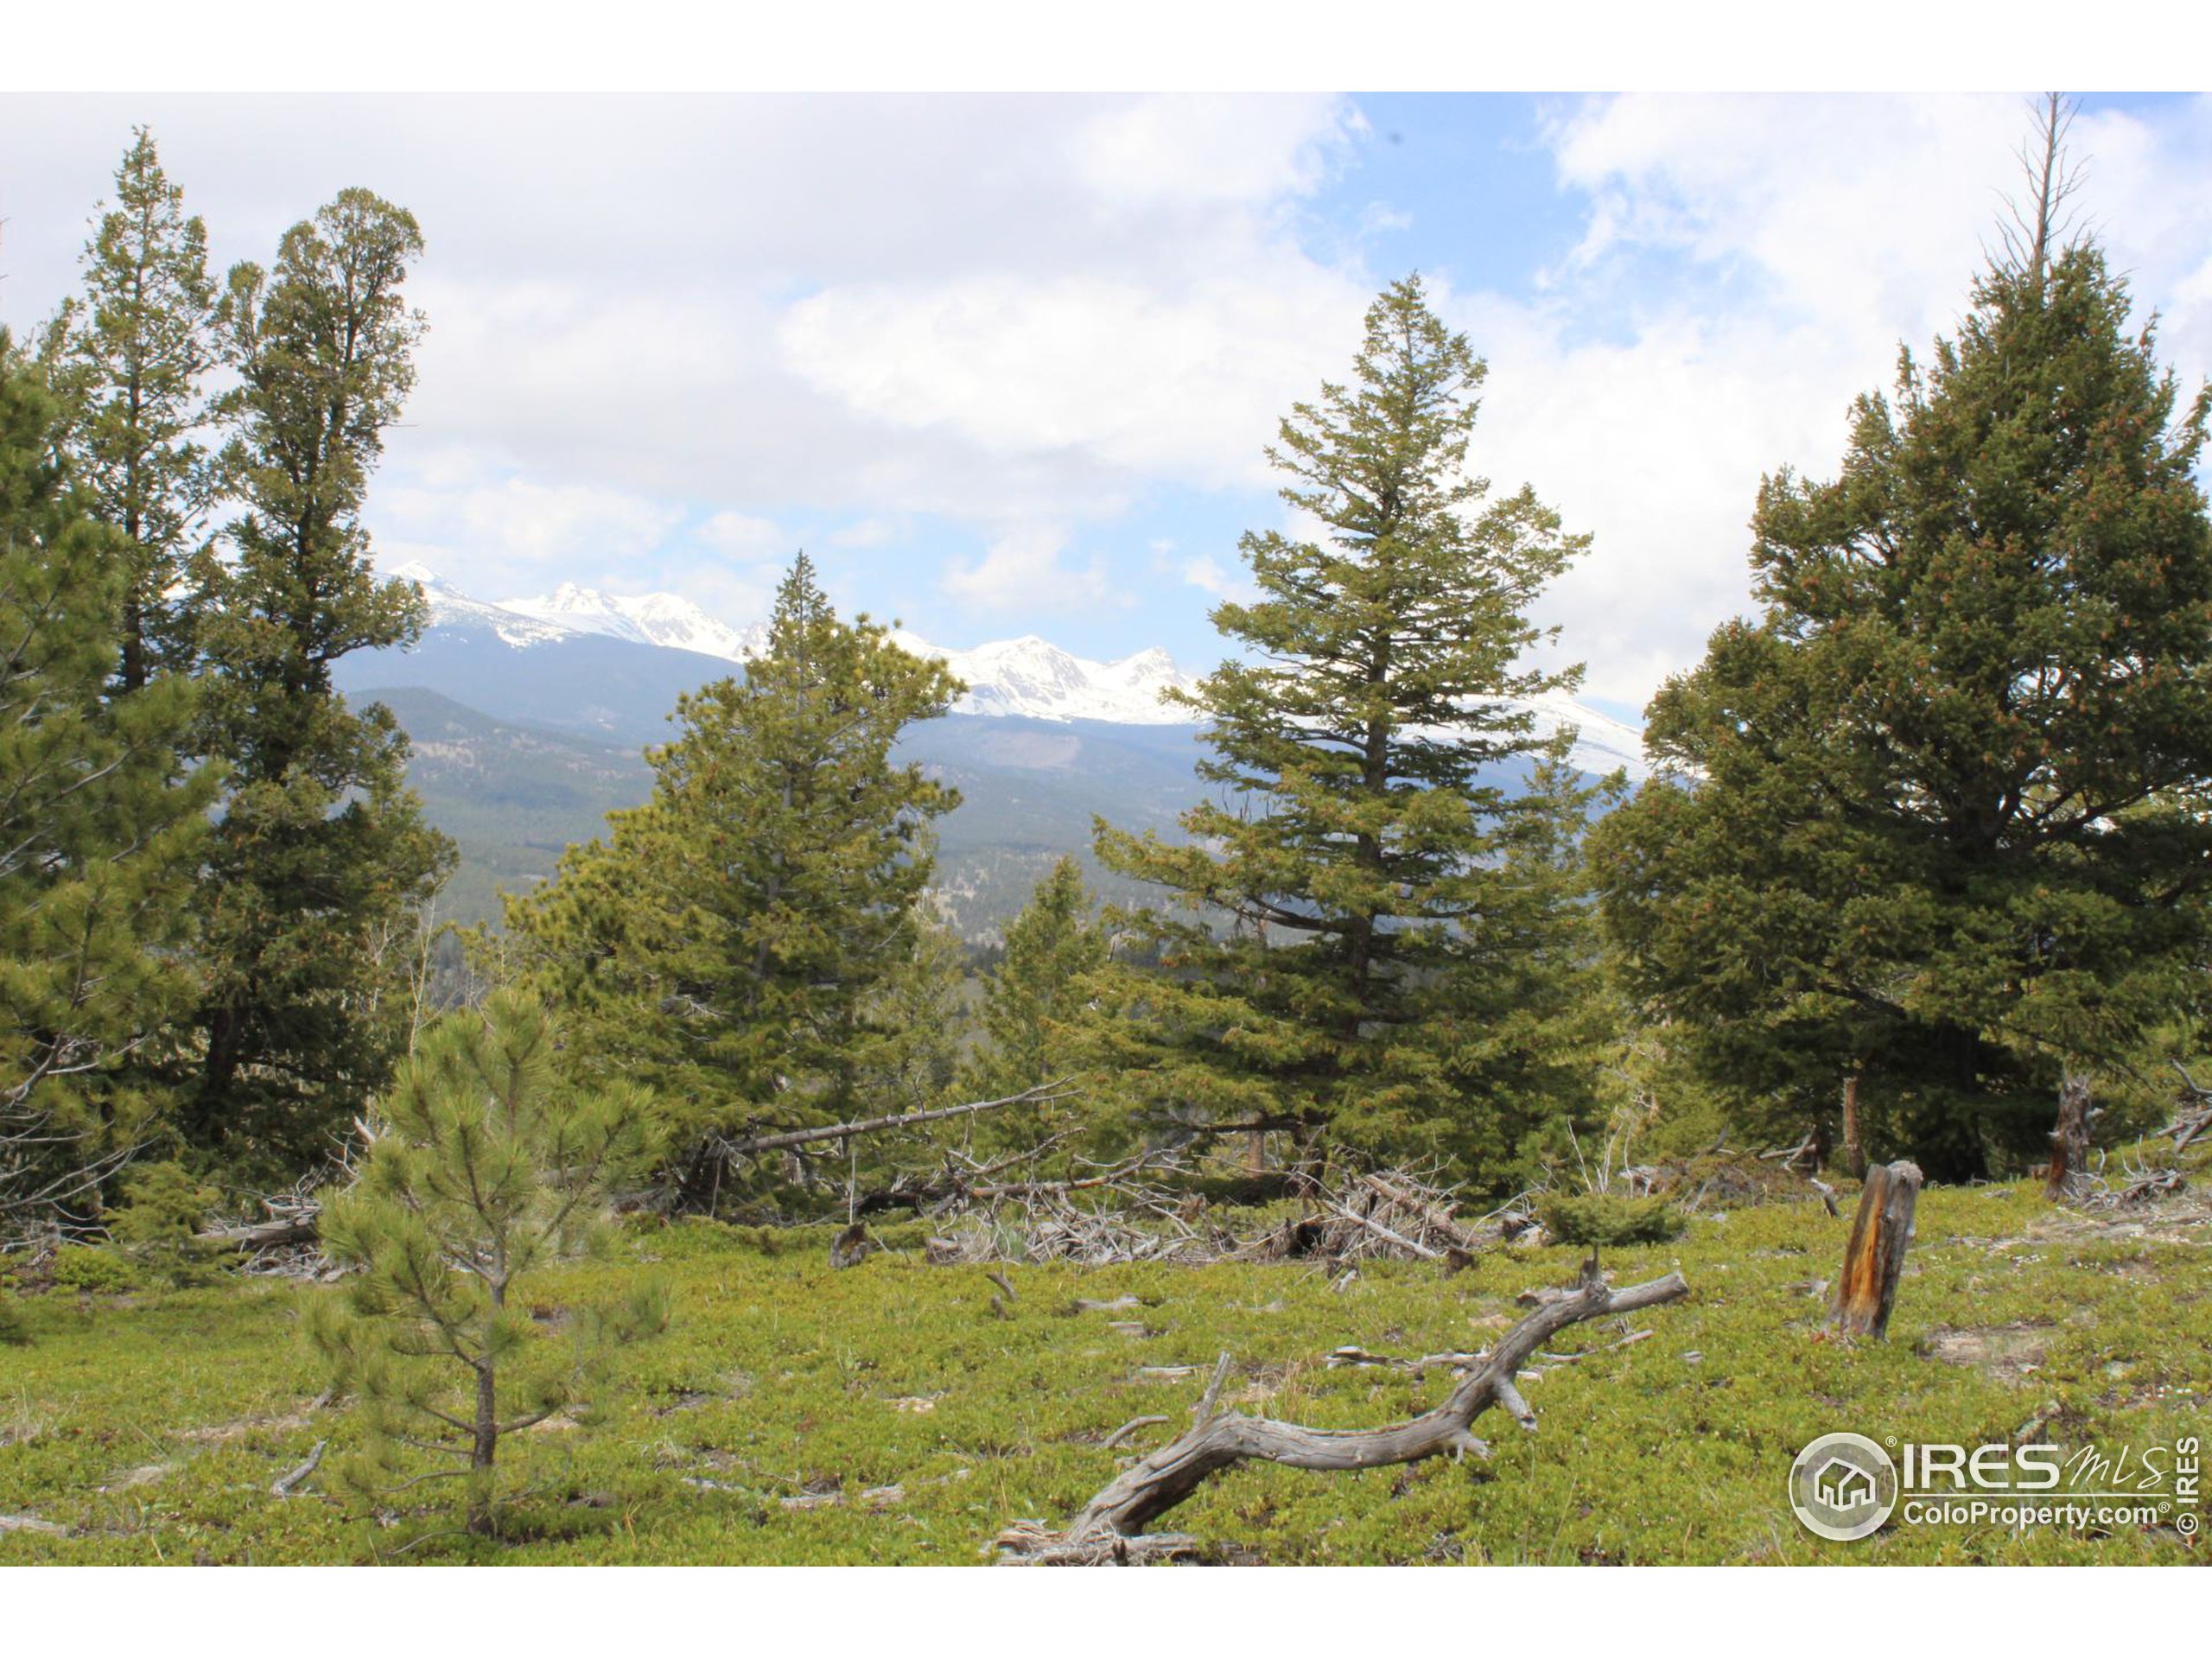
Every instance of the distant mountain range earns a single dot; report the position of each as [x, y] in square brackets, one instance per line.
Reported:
[529, 717]
[1028, 677]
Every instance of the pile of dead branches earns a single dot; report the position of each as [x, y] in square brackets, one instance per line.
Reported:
[1386, 1214]
[2139, 1182]
[2193, 1122]
[284, 1242]
[1113, 1213]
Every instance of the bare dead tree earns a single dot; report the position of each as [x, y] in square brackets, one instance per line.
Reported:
[1111, 1527]
[2041, 223]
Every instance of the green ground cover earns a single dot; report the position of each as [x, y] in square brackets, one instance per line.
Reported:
[795, 1415]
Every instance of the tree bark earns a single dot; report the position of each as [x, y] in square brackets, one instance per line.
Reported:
[1867, 1287]
[1854, 1140]
[1112, 1524]
[2070, 1142]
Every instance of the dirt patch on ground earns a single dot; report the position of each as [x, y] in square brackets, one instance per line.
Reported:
[2011, 1352]
[239, 1427]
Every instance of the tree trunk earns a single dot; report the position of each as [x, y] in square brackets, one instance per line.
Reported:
[1866, 1288]
[1854, 1140]
[2070, 1142]
[1111, 1526]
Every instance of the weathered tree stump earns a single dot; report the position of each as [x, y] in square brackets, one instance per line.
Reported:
[1881, 1232]
[852, 1247]
[2070, 1142]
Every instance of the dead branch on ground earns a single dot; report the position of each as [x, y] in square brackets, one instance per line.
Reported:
[1111, 1527]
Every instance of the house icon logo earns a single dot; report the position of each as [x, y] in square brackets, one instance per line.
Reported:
[1843, 1487]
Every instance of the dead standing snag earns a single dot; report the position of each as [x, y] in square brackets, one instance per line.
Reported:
[1111, 1527]
[1880, 1233]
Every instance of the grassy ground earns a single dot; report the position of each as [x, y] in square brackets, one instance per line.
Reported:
[767, 1424]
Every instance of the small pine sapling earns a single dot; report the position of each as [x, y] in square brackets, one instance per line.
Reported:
[489, 1168]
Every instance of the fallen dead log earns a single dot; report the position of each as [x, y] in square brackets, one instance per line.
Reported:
[2194, 1119]
[1111, 1527]
[1042, 1094]
[279, 1233]
[1866, 1288]
[1411, 1246]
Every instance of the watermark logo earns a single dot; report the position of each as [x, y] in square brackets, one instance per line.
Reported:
[1846, 1486]
[1843, 1486]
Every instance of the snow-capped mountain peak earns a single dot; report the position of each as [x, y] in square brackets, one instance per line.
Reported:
[453, 610]
[648, 619]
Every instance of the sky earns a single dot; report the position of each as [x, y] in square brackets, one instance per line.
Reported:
[1008, 364]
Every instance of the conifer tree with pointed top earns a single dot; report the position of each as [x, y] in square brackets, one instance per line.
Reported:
[488, 1166]
[101, 825]
[322, 850]
[1937, 822]
[130, 356]
[729, 942]
[1361, 902]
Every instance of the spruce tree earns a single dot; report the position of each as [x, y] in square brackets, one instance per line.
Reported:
[1935, 822]
[100, 824]
[1355, 901]
[128, 356]
[487, 1166]
[321, 852]
[730, 941]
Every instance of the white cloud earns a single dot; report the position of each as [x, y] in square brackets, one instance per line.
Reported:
[1749, 266]
[564, 524]
[493, 532]
[1212, 152]
[1209, 576]
[1021, 572]
[874, 532]
[1142, 380]
[743, 536]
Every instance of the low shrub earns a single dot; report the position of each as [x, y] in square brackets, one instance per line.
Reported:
[1608, 1218]
[93, 1271]
[164, 1205]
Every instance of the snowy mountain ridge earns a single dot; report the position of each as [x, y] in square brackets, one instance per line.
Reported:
[1028, 677]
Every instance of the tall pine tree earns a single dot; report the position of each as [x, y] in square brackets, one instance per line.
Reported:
[128, 356]
[1383, 868]
[321, 854]
[1937, 819]
[731, 940]
[100, 824]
